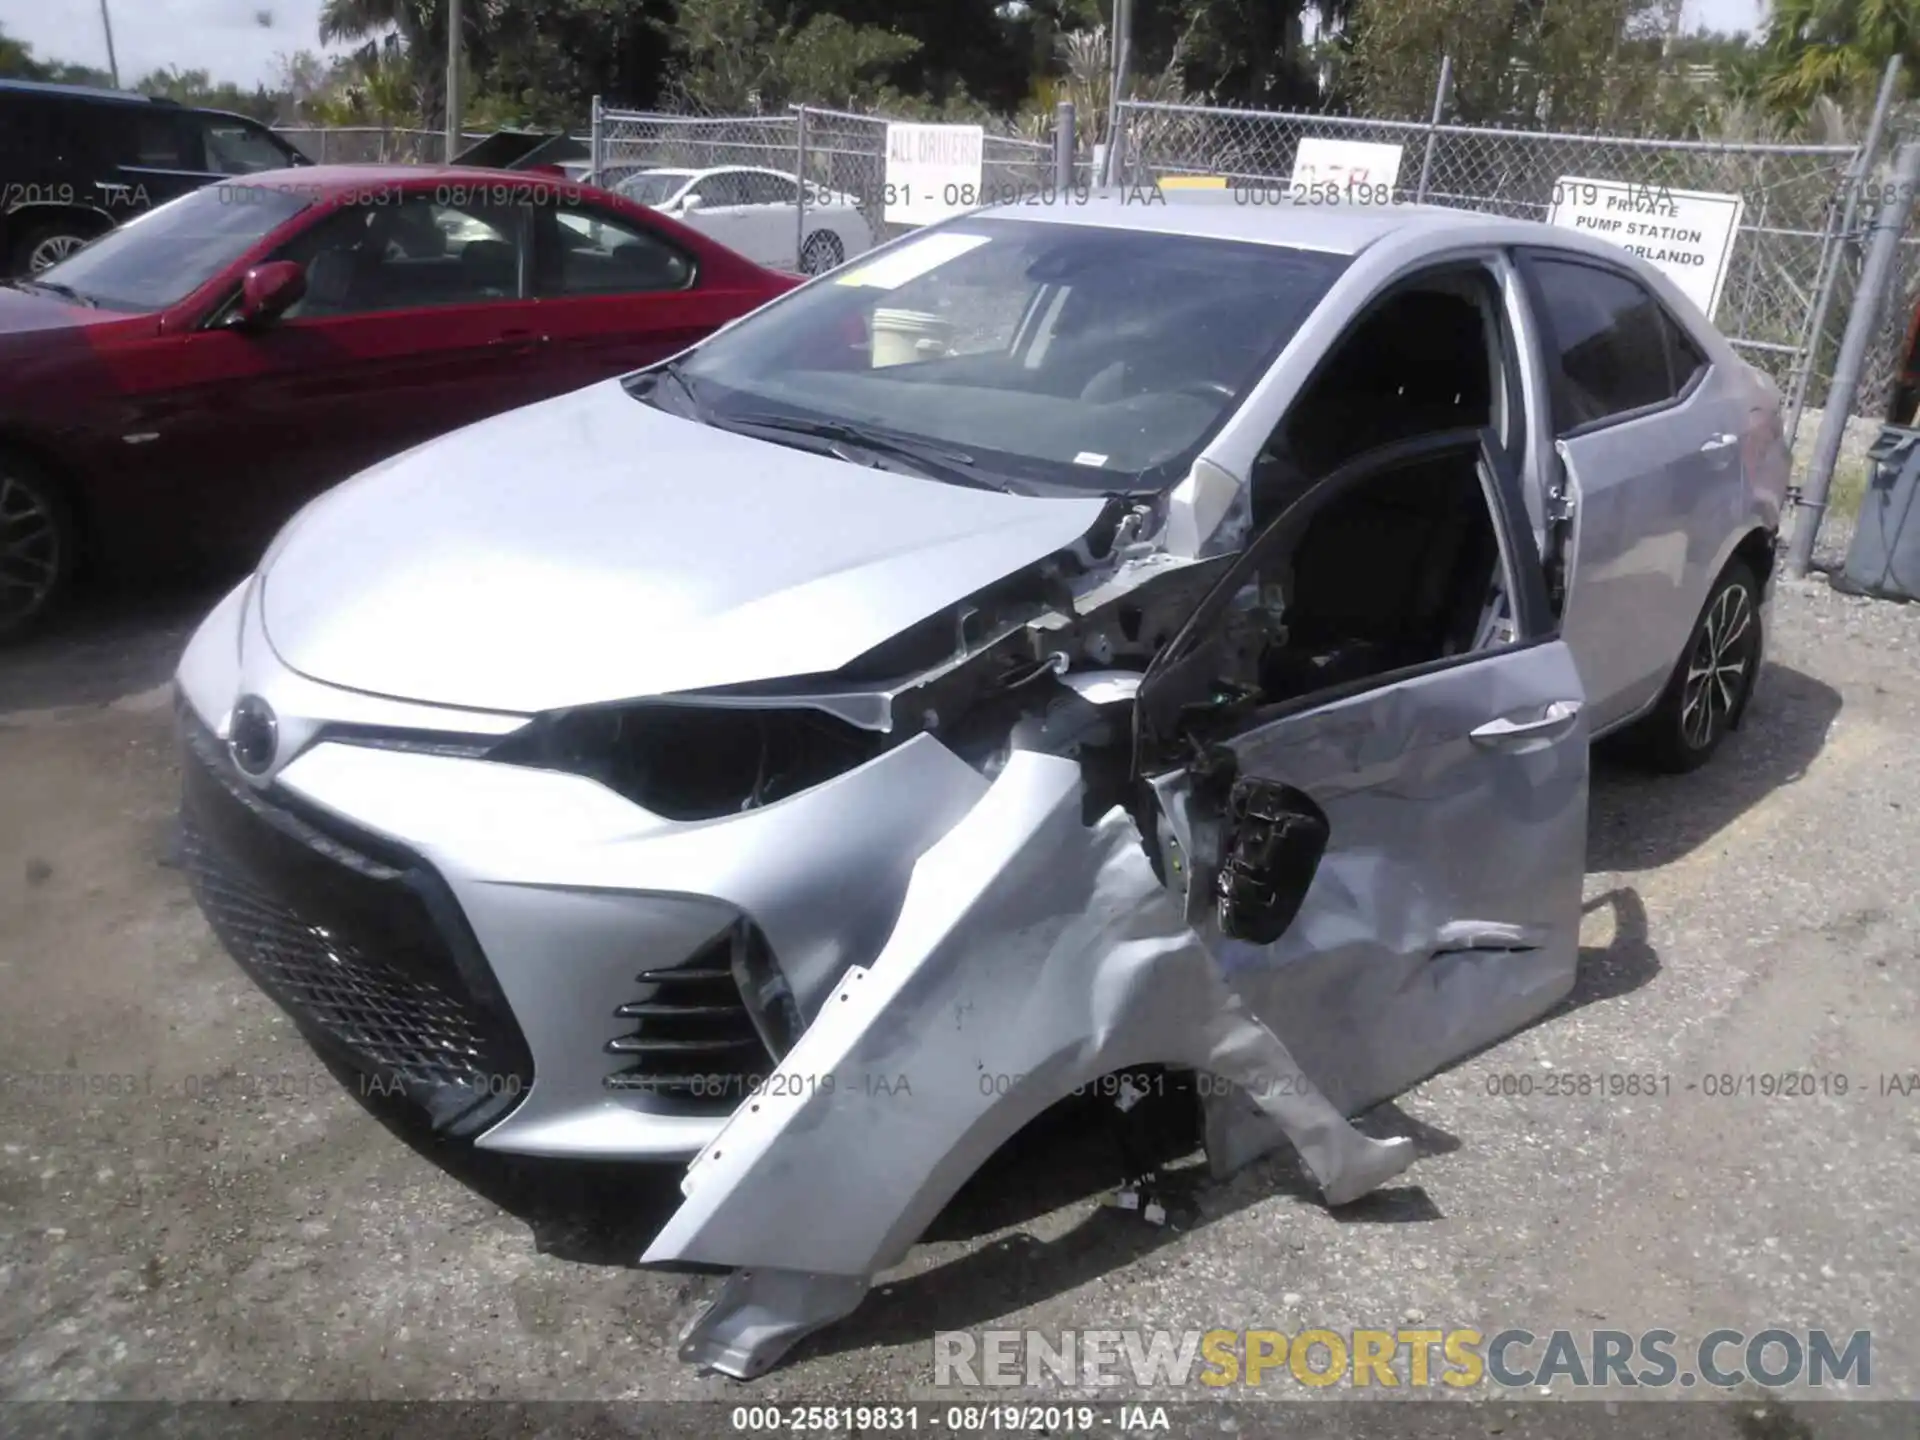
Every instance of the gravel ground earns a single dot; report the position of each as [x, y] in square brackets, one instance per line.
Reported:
[234, 1224]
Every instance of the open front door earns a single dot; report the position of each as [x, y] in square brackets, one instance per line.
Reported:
[1367, 751]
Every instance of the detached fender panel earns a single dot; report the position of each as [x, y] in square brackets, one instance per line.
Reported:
[1034, 953]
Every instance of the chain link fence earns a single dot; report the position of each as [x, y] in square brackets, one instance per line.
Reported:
[1790, 231]
[1791, 276]
[371, 144]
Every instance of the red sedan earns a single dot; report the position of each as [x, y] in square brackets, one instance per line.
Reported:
[176, 389]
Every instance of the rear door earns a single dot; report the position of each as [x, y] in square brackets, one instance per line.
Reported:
[722, 212]
[615, 293]
[1647, 447]
[773, 213]
[1452, 794]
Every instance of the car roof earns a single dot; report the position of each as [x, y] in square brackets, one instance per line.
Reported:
[83, 92]
[1262, 215]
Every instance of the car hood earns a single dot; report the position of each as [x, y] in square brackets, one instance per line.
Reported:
[24, 312]
[593, 548]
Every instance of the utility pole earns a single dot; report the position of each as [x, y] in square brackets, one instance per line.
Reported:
[1122, 34]
[453, 79]
[113, 64]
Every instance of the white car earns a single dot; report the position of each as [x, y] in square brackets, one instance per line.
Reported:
[757, 213]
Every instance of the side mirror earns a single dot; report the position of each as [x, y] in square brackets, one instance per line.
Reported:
[1275, 838]
[688, 204]
[268, 292]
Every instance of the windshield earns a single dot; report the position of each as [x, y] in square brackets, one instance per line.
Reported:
[654, 187]
[169, 252]
[1069, 355]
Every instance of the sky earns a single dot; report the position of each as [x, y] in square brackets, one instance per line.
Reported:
[240, 40]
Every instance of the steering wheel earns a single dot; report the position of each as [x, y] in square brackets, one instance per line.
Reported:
[1207, 390]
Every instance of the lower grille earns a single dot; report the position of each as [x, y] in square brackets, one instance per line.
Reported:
[359, 942]
[693, 1036]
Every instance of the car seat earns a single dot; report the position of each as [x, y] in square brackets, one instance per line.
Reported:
[489, 267]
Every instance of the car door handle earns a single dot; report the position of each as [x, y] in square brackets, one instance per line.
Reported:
[1719, 442]
[1554, 721]
[518, 340]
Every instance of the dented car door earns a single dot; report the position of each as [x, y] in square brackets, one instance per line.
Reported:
[1450, 809]
[1428, 828]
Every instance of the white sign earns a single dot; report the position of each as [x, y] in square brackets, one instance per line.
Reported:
[1685, 234]
[933, 171]
[1351, 171]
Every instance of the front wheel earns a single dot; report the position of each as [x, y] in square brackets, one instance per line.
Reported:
[1710, 686]
[37, 544]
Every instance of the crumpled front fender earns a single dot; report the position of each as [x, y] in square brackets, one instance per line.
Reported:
[1034, 953]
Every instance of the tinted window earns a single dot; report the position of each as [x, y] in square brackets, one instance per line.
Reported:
[399, 254]
[768, 189]
[159, 142]
[237, 148]
[653, 187]
[724, 189]
[589, 252]
[1072, 356]
[168, 253]
[1687, 359]
[1610, 337]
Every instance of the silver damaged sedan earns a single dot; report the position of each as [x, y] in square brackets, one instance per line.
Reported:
[1066, 641]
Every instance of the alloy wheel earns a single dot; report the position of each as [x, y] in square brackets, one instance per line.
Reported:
[29, 550]
[51, 251]
[821, 253]
[1717, 667]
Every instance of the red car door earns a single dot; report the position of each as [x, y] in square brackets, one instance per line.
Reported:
[415, 321]
[618, 289]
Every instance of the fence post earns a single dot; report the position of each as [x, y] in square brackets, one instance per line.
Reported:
[1833, 244]
[1063, 146]
[1869, 304]
[597, 143]
[1440, 92]
[1122, 29]
[800, 180]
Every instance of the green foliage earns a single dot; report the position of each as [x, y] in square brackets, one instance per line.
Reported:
[17, 63]
[197, 87]
[735, 56]
[1836, 49]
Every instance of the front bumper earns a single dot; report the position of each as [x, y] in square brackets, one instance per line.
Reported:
[532, 960]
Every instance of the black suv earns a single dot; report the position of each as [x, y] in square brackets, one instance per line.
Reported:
[76, 161]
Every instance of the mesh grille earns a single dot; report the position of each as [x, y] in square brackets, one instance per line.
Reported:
[351, 947]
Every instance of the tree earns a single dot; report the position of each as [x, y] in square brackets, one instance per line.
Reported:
[197, 87]
[17, 63]
[732, 56]
[1567, 64]
[1835, 49]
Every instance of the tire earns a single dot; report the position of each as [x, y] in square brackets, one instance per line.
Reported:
[822, 252]
[39, 246]
[1708, 692]
[38, 546]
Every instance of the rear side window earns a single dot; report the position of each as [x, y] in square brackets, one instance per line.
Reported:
[237, 148]
[1612, 346]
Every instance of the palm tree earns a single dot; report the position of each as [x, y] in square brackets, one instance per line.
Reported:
[1836, 49]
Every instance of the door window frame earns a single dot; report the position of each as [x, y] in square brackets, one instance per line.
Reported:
[1534, 621]
[221, 311]
[1527, 259]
